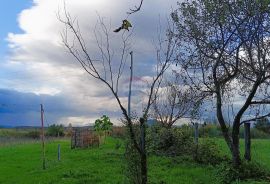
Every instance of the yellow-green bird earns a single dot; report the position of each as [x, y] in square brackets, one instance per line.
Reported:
[125, 25]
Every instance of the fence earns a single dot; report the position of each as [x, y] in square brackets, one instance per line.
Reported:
[83, 138]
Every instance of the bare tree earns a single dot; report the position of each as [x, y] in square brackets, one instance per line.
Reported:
[109, 71]
[174, 101]
[225, 53]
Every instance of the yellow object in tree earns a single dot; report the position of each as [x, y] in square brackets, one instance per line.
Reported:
[125, 25]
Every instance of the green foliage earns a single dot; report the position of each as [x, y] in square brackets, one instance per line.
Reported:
[263, 125]
[118, 145]
[132, 165]
[105, 165]
[227, 174]
[169, 141]
[103, 125]
[210, 130]
[208, 152]
[55, 130]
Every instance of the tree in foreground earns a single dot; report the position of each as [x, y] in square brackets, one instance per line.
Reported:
[108, 70]
[224, 49]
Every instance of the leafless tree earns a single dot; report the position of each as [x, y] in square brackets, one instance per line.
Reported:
[174, 101]
[225, 53]
[109, 71]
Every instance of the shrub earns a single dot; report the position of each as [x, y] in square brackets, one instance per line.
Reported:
[208, 152]
[169, 141]
[227, 174]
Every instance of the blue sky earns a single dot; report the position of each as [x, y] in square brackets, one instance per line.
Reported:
[35, 68]
[9, 11]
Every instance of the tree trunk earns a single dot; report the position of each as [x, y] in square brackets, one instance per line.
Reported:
[143, 154]
[235, 142]
[233, 145]
[247, 142]
[144, 168]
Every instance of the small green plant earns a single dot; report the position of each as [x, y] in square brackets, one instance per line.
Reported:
[103, 126]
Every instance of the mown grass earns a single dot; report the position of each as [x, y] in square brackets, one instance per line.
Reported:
[21, 164]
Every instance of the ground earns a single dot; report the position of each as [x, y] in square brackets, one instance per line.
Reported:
[21, 164]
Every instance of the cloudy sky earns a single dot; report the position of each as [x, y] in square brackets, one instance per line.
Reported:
[35, 67]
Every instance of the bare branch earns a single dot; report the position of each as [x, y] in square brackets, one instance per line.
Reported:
[136, 8]
[256, 118]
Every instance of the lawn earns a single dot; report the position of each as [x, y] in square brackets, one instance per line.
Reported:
[21, 164]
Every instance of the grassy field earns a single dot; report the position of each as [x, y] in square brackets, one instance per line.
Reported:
[21, 164]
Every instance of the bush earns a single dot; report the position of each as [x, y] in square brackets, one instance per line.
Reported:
[169, 141]
[208, 152]
[227, 174]
[55, 130]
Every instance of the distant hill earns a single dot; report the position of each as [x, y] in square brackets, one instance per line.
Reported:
[6, 126]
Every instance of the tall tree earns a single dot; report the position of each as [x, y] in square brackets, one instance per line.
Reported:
[109, 71]
[225, 53]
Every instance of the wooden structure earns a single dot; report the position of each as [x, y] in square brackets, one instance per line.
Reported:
[83, 138]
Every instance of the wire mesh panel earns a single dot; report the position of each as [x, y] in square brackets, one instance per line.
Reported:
[83, 138]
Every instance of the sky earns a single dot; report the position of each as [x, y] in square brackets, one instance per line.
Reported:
[9, 11]
[35, 67]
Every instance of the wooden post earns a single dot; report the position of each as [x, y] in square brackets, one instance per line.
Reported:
[247, 142]
[59, 152]
[130, 83]
[196, 133]
[42, 136]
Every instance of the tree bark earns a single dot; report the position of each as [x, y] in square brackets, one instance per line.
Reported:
[144, 168]
[232, 141]
[143, 151]
[247, 142]
[235, 141]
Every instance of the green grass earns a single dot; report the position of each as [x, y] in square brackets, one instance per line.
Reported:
[21, 164]
[260, 150]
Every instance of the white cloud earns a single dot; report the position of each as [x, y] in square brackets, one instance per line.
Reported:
[41, 65]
